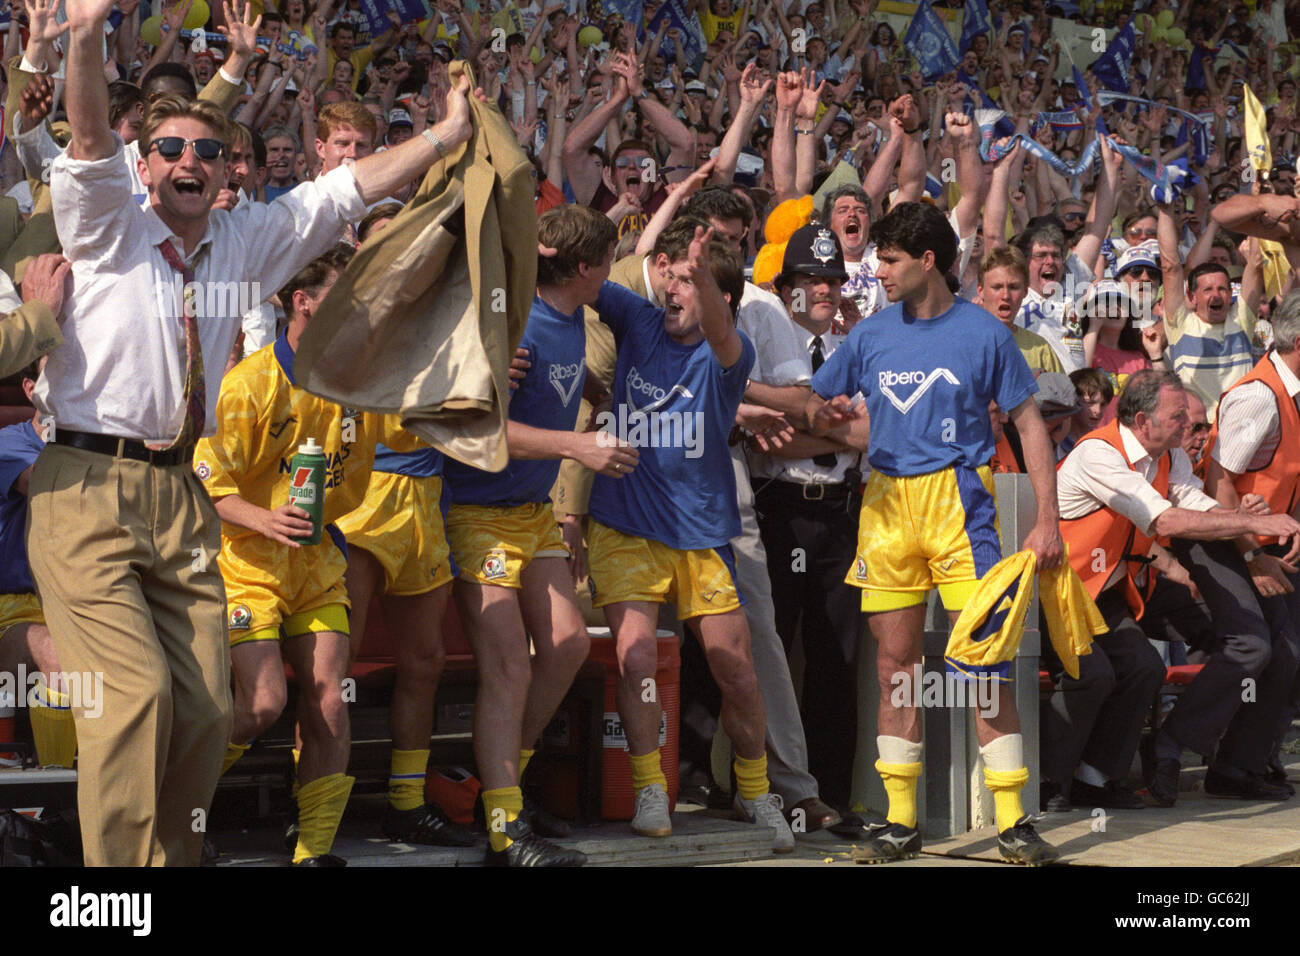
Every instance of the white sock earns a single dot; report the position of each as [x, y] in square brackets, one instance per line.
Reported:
[898, 750]
[1005, 754]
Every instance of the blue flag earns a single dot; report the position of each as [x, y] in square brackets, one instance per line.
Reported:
[375, 12]
[929, 41]
[631, 11]
[1112, 66]
[692, 39]
[1195, 70]
[975, 20]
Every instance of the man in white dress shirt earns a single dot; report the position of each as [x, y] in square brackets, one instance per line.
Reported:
[123, 538]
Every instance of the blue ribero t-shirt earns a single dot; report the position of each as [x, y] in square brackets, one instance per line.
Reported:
[682, 492]
[928, 384]
[548, 397]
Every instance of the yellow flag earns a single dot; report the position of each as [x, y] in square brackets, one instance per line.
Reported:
[1255, 129]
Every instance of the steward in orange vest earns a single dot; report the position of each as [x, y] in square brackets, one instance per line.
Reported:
[1113, 535]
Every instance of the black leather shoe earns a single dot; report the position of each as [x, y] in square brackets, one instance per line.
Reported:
[1113, 796]
[328, 859]
[528, 849]
[543, 823]
[1051, 799]
[1250, 787]
[427, 825]
[814, 814]
[1276, 774]
[1163, 788]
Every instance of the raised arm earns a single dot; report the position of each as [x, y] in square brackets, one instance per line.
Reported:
[583, 177]
[789, 87]
[1171, 263]
[42, 32]
[667, 210]
[970, 173]
[379, 174]
[86, 92]
[1104, 201]
[716, 318]
[170, 27]
[1006, 171]
[911, 165]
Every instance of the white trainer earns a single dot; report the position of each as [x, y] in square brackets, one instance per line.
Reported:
[652, 817]
[766, 811]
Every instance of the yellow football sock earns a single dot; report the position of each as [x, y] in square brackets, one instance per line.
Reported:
[900, 783]
[524, 757]
[53, 728]
[500, 807]
[751, 777]
[320, 810]
[646, 769]
[406, 770]
[233, 752]
[1006, 786]
[293, 790]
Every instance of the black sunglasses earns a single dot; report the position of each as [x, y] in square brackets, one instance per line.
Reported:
[171, 148]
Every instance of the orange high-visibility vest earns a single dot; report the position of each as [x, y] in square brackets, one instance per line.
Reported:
[1100, 540]
[1279, 480]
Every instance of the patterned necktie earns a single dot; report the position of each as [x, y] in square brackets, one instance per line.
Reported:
[827, 459]
[195, 393]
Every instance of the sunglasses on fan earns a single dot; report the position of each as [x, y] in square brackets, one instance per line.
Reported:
[171, 148]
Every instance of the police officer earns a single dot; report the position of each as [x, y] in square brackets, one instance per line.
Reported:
[807, 495]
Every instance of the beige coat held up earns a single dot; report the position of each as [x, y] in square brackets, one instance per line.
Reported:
[426, 317]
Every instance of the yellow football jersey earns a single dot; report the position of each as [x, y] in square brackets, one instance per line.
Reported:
[262, 418]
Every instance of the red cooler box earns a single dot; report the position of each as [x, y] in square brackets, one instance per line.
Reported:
[617, 798]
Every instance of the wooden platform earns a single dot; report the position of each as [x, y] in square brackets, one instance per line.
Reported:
[699, 838]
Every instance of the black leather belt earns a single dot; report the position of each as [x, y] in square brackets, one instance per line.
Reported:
[121, 447]
[809, 491]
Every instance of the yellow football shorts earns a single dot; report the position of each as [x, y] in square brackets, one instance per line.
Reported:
[627, 568]
[19, 609]
[493, 545]
[925, 531]
[274, 590]
[400, 523]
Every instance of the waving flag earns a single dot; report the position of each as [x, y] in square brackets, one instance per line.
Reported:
[975, 20]
[1112, 66]
[1254, 129]
[692, 39]
[929, 41]
[632, 11]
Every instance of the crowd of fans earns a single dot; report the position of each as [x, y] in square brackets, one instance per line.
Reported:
[789, 128]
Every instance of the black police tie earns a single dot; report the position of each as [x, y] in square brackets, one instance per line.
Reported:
[826, 460]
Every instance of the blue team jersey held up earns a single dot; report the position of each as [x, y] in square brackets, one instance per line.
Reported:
[19, 447]
[682, 492]
[928, 384]
[548, 397]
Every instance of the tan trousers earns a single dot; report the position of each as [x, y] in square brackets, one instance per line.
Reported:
[124, 555]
